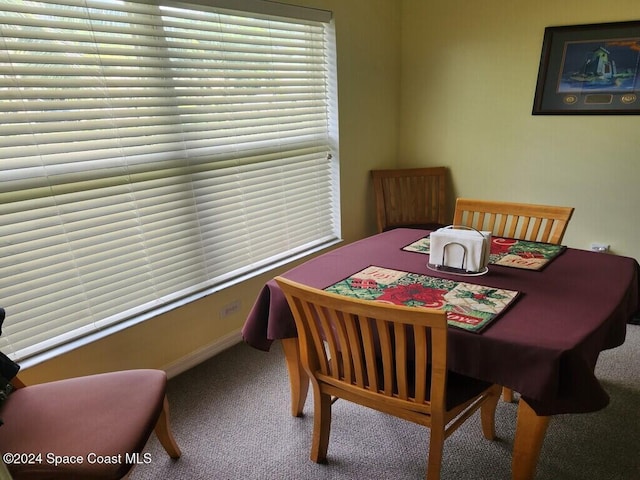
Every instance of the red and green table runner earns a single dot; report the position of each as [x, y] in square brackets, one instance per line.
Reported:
[469, 306]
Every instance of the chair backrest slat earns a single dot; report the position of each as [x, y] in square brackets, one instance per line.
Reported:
[369, 350]
[541, 223]
[313, 337]
[355, 349]
[387, 356]
[421, 355]
[402, 380]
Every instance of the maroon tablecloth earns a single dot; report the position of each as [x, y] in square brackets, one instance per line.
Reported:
[545, 346]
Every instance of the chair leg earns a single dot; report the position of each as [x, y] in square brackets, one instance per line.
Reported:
[436, 445]
[488, 414]
[298, 378]
[163, 432]
[321, 426]
[507, 394]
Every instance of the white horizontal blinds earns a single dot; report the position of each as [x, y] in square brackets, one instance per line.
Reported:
[152, 150]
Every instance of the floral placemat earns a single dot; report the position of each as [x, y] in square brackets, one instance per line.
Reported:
[508, 252]
[469, 306]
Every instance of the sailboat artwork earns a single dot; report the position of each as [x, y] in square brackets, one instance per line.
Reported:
[607, 66]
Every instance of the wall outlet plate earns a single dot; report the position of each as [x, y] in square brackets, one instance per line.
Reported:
[230, 309]
[599, 247]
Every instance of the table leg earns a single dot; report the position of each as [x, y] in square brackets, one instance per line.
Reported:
[530, 432]
[298, 378]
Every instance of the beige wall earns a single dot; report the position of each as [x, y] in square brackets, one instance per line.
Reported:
[469, 74]
[368, 36]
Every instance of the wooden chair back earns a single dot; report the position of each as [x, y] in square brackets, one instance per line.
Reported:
[410, 197]
[361, 347]
[387, 357]
[523, 221]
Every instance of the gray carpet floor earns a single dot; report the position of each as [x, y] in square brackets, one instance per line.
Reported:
[231, 417]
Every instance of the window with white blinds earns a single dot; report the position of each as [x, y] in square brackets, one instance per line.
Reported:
[151, 151]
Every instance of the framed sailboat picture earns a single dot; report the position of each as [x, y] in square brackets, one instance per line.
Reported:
[589, 69]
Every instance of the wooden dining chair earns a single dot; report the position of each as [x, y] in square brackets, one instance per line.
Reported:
[93, 427]
[410, 197]
[386, 357]
[522, 221]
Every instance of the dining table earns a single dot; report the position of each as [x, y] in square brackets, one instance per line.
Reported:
[544, 345]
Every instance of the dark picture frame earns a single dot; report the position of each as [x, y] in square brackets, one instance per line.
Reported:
[589, 69]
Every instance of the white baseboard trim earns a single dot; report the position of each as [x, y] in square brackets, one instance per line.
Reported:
[205, 353]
